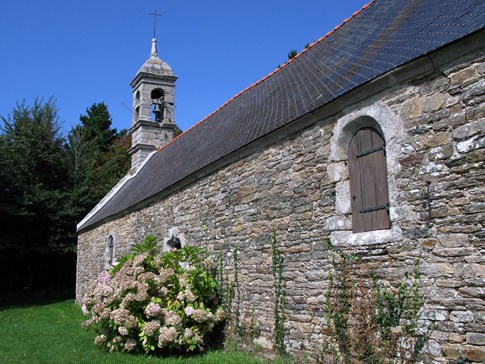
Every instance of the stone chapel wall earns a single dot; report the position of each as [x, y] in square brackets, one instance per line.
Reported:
[434, 129]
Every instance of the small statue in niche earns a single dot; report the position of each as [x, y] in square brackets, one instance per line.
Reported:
[173, 240]
[174, 243]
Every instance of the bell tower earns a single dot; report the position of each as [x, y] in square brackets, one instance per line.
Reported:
[153, 121]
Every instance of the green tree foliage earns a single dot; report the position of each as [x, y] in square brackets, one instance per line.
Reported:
[96, 125]
[177, 131]
[34, 187]
[98, 157]
[110, 167]
[47, 184]
[292, 54]
[80, 149]
[32, 152]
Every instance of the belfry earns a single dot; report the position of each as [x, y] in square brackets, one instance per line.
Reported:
[153, 120]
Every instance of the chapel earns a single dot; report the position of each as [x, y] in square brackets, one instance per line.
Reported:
[372, 139]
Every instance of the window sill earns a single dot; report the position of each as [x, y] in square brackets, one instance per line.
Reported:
[377, 237]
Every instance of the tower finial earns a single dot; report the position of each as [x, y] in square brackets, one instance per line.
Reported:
[154, 52]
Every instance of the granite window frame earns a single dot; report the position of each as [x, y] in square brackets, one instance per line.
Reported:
[379, 116]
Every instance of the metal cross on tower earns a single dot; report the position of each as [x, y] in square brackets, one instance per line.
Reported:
[155, 14]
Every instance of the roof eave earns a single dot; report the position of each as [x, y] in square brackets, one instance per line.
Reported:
[145, 76]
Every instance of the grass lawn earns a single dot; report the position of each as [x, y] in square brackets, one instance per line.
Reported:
[52, 333]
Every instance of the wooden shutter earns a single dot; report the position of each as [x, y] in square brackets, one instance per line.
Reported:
[368, 181]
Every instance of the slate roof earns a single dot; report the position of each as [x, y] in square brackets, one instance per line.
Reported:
[382, 36]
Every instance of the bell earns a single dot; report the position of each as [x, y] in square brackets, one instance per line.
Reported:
[157, 110]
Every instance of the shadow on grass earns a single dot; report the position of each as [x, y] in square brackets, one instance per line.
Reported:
[30, 298]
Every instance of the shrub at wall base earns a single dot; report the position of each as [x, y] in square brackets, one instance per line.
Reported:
[152, 303]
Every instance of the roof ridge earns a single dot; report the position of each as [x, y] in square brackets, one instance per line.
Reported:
[279, 68]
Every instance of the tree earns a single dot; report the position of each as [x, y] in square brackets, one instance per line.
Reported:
[34, 187]
[47, 184]
[79, 151]
[110, 166]
[97, 126]
[98, 157]
[81, 161]
[177, 131]
[32, 152]
[292, 54]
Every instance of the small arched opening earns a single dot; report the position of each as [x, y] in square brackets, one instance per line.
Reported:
[157, 96]
[111, 250]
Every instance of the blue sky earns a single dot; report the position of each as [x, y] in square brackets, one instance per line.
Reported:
[81, 52]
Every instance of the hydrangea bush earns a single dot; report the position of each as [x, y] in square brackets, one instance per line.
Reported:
[151, 302]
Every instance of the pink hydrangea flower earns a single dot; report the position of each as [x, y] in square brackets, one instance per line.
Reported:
[152, 309]
[189, 311]
[172, 319]
[123, 331]
[200, 315]
[85, 310]
[188, 333]
[167, 335]
[99, 340]
[104, 277]
[151, 327]
[130, 344]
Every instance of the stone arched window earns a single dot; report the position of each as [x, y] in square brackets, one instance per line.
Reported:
[368, 181]
[111, 250]
[380, 119]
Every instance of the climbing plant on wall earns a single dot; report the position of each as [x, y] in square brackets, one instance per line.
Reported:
[370, 322]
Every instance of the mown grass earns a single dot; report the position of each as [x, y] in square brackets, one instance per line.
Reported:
[52, 333]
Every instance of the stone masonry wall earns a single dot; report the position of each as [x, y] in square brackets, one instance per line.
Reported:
[297, 186]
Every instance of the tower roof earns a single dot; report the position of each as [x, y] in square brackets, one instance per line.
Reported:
[154, 65]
